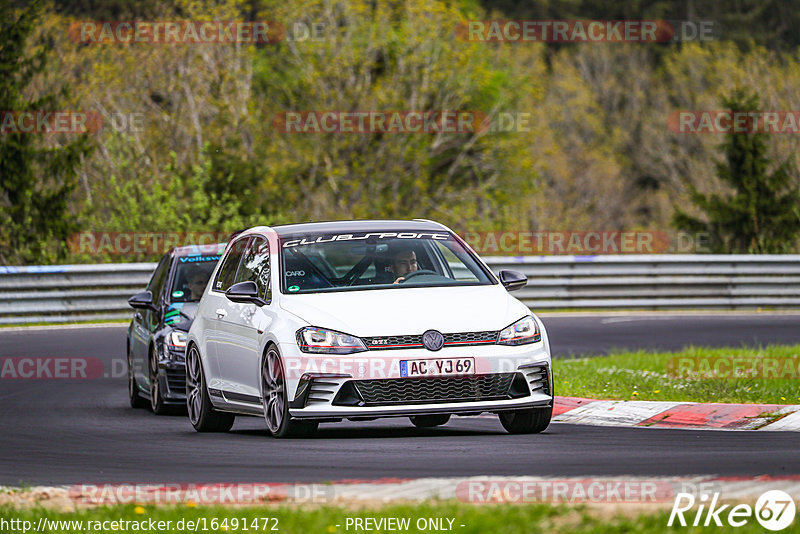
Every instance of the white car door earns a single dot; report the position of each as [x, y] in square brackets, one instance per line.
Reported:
[216, 311]
[239, 355]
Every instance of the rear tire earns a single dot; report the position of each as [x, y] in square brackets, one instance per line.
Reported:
[275, 400]
[428, 421]
[202, 415]
[135, 399]
[529, 421]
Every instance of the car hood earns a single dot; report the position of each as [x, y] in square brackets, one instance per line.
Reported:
[384, 312]
[189, 310]
[182, 320]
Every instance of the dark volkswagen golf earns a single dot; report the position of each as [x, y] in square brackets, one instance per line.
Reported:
[157, 334]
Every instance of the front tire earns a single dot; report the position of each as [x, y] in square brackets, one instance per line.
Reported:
[135, 399]
[275, 400]
[202, 415]
[157, 403]
[529, 421]
[428, 421]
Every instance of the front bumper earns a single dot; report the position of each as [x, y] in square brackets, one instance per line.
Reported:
[459, 408]
[506, 378]
[172, 376]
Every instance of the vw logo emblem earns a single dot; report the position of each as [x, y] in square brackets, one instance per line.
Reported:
[433, 340]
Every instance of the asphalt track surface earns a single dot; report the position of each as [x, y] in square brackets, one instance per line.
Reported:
[82, 431]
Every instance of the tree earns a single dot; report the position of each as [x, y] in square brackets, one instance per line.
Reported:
[769, 23]
[389, 57]
[36, 179]
[762, 215]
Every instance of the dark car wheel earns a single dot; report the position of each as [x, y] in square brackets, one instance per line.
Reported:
[275, 400]
[157, 403]
[136, 400]
[203, 416]
[427, 421]
[530, 421]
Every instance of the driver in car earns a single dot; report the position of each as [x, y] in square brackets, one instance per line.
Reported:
[403, 263]
[197, 284]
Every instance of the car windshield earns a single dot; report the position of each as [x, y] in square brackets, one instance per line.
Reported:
[191, 276]
[376, 260]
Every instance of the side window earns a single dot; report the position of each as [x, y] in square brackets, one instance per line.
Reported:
[457, 266]
[256, 267]
[156, 285]
[227, 273]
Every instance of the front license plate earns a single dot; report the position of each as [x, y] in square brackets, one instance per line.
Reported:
[437, 367]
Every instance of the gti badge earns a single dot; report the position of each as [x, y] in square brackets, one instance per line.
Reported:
[433, 340]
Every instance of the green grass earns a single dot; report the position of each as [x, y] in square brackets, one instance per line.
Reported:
[477, 519]
[655, 376]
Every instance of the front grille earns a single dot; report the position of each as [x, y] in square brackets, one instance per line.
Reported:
[414, 341]
[320, 392]
[176, 380]
[538, 377]
[393, 342]
[434, 390]
[470, 338]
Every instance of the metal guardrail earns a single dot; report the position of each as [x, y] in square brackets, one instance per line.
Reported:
[58, 293]
[656, 282]
[651, 282]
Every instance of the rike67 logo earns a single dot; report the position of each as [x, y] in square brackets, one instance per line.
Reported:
[774, 510]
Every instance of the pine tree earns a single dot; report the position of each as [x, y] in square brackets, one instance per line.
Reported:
[36, 179]
[762, 215]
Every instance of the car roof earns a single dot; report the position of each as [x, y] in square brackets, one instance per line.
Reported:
[379, 225]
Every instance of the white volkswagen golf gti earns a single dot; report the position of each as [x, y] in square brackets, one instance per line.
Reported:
[319, 322]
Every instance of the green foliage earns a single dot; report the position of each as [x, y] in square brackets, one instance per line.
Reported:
[110, 9]
[36, 177]
[595, 152]
[183, 200]
[769, 23]
[762, 215]
[384, 57]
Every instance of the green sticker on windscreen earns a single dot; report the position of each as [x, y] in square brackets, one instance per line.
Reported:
[294, 288]
[177, 294]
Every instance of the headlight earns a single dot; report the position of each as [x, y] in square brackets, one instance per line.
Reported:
[323, 341]
[177, 340]
[520, 333]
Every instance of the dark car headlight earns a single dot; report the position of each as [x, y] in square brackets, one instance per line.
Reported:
[175, 345]
[177, 340]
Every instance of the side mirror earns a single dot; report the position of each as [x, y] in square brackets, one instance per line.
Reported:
[142, 301]
[513, 280]
[245, 292]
